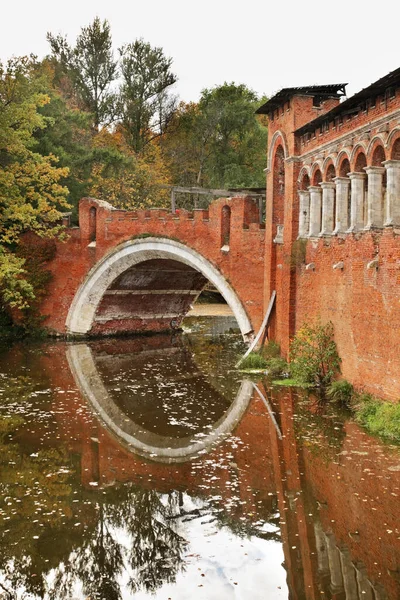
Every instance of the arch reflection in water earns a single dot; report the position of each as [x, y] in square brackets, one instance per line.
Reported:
[158, 402]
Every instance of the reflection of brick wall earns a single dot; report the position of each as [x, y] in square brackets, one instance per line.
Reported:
[359, 501]
[242, 266]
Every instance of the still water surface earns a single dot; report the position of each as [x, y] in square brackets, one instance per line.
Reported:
[149, 468]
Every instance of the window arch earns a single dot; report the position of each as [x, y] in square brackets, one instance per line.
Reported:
[395, 152]
[278, 187]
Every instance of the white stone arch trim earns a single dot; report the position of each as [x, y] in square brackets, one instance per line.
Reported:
[146, 443]
[316, 165]
[345, 153]
[277, 135]
[305, 170]
[377, 138]
[357, 147]
[84, 305]
[331, 159]
[391, 137]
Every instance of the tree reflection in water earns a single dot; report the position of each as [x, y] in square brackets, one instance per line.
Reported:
[133, 534]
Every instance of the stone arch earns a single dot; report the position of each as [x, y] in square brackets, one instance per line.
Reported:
[328, 163]
[343, 154]
[278, 186]
[343, 165]
[357, 150]
[329, 171]
[393, 144]
[278, 139]
[376, 152]
[360, 162]
[316, 174]
[83, 309]
[304, 178]
[146, 443]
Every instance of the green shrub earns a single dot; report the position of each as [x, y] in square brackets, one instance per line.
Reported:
[253, 361]
[341, 392]
[277, 367]
[314, 358]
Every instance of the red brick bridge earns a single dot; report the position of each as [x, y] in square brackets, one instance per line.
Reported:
[128, 271]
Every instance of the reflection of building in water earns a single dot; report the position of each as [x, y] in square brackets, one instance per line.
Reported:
[337, 489]
[338, 501]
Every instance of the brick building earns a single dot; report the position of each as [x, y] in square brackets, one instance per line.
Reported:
[333, 222]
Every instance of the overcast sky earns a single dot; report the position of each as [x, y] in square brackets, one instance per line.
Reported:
[265, 44]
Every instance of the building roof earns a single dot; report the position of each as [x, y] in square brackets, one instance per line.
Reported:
[333, 90]
[355, 103]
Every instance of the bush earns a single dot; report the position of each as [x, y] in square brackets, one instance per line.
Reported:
[277, 367]
[314, 358]
[253, 361]
[341, 392]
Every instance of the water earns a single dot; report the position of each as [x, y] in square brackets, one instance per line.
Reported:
[148, 468]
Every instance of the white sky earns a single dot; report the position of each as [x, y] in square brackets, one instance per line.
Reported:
[265, 44]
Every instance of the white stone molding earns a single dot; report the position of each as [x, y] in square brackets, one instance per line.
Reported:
[278, 134]
[84, 305]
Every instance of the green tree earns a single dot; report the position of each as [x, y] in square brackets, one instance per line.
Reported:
[31, 194]
[219, 142]
[314, 358]
[146, 106]
[91, 67]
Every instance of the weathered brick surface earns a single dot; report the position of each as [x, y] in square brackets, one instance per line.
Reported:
[363, 304]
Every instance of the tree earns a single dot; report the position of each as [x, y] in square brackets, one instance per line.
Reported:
[125, 179]
[218, 142]
[146, 105]
[91, 67]
[314, 359]
[30, 192]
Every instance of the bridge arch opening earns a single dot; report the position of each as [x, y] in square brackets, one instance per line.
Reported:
[147, 285]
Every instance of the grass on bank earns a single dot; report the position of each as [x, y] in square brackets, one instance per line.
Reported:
[378, 417]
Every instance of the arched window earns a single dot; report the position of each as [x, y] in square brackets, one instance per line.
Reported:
[305, 182]
[278, 201]
[395, 154]
[92, 224]
[225, 225]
